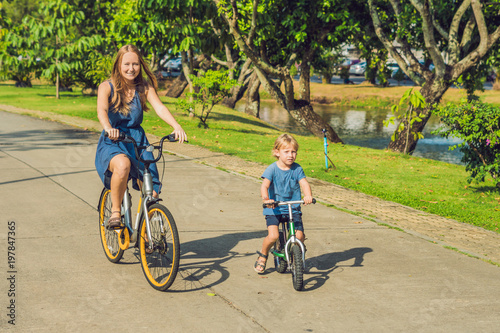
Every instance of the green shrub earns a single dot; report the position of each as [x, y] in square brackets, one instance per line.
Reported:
[209, 90]
[477, 124]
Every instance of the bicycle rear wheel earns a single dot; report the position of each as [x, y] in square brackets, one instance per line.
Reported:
[297, 268]
[160, 267]
[109, 237]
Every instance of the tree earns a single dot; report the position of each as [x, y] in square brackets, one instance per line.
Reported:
[15, 60]
[325, 63]
[455, 36]
[187, 30]
[56, 41]
[236, 65]
[274, 36]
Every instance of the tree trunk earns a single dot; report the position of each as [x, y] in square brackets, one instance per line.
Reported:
[305, 82]
[305, 115]
[57, 85]
[237, 93]
[253, 97]
[326, 79]
[432, 92]
[177, 87]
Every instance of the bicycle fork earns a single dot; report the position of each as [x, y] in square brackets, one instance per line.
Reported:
[147, 190]
[294, 240]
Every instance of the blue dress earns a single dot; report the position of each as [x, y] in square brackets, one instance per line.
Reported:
[107, 149]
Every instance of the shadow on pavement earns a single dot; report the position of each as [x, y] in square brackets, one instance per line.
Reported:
[327, 263]
[210, 255]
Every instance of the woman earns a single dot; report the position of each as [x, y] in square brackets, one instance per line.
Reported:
[121, 101]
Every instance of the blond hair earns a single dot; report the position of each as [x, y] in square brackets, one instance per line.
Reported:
[285, 140]
[119, 100]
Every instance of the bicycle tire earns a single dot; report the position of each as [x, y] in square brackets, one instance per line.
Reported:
[297, 268]
[160, 267]
[109, 237]
[280, 263]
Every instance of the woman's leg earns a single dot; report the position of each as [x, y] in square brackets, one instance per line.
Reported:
[120, 167]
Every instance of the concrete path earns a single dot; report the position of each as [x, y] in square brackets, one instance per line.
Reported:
[361, 276]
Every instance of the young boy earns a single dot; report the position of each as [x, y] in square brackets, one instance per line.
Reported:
[282, 181]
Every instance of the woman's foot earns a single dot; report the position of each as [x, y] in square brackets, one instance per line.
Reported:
[146, 246]
[115, 221]
[260, 264]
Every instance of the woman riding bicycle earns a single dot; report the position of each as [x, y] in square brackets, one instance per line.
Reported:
[121, 101]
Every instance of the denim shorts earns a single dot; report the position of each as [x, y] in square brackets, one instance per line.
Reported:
[277, 219]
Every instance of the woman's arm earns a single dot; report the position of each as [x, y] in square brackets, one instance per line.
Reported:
[102, 110]
[163, 112]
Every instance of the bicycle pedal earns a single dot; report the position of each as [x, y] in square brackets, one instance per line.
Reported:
[116, 228]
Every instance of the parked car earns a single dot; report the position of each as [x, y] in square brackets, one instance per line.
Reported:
[347, 64]
[431, 66]
[174, 64]
[394, 67]
[358, 69]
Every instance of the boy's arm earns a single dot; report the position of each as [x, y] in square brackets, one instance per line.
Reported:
[264, 193]
[306, 189]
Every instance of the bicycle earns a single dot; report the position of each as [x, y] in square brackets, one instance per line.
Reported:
[154, 231]
[289, 251]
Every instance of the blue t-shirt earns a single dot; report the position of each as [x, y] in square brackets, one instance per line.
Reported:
[284, 187]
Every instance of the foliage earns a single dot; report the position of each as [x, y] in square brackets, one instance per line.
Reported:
[399, 76]
[210, 89]
[326, 62]
[478, 125]
[383, 73]
[473, 80]
[16, 63]
[413, 102]
[60, 38]
[98, 68]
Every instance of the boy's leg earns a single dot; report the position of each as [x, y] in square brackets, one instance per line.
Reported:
[299, 227]
[267, 243]
[300, 235]
[272, 236]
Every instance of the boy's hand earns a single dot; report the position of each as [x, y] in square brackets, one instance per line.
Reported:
[308, 199]
[269, 203]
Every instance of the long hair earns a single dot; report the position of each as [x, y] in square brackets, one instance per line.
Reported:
[141, 84]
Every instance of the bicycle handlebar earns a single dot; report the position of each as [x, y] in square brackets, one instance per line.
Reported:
[128, 139]
[284, 203]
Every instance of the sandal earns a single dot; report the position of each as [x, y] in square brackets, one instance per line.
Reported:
[147, 249]
[260, 264]
[115, 222]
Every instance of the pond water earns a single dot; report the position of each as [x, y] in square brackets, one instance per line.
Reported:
[363, 128]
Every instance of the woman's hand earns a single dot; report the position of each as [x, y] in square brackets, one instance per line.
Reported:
[180, 134]
[113, 133]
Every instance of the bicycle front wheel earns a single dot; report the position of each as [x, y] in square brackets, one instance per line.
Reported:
[109, 237]
[297, 268]
[161, 261]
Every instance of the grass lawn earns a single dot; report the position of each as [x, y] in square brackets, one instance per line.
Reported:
[436, 187]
